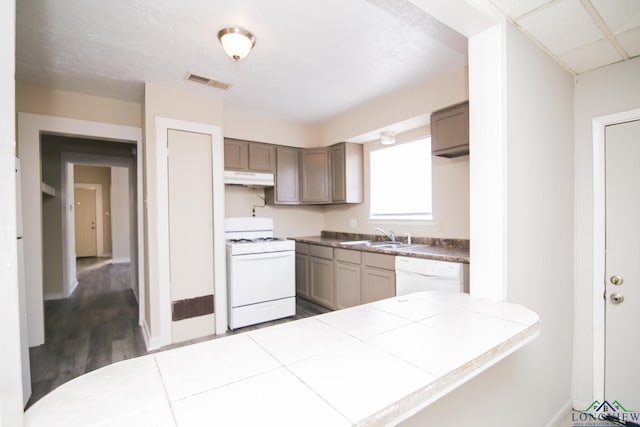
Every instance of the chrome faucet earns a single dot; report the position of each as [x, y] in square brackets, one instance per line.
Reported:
[389, 235]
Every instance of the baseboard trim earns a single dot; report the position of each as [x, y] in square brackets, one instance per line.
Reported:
[150, 342]
[53, 296]
[73, 288]
[564, 410]
[120, 260]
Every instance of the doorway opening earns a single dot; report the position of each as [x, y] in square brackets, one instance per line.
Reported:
[90, 264]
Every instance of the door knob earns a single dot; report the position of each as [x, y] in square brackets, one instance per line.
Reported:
[617, 298]
[616, 280]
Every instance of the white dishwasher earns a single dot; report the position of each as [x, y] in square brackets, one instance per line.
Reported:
[420, 274]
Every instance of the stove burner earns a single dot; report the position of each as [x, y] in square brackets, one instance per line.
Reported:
[239, 240]
[256, 240]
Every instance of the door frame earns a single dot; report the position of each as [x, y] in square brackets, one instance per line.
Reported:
[99, 211]
[30, 127]
[599, 229]
[162, 126]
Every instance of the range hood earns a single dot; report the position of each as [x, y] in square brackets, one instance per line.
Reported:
[249, 179]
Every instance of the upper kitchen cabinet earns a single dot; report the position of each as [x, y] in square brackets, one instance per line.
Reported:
[315, 181]
[249, 156]
[317, 175]
[346, 173]
[287, 179]
[450, 131]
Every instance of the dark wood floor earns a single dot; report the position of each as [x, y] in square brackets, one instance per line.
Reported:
[98, 325]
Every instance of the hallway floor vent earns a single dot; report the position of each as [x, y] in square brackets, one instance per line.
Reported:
[208, 82]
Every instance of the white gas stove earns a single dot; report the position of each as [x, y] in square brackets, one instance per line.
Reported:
[260, 272]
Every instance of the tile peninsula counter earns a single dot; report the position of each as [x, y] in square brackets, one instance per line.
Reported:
[371, 365]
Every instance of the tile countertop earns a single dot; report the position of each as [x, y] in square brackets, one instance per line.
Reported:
[371, 365]
[441, 250]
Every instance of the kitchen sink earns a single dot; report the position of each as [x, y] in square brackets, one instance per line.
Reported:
[357, 243]
[375, 244]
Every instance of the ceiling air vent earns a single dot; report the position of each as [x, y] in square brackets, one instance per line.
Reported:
[207, 81]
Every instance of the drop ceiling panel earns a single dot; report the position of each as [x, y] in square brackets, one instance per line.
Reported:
[591, 56]
[619, 15]
[517, 8]
[630, 42]
[562, 26]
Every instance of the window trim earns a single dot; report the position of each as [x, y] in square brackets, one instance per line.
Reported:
[400, 218]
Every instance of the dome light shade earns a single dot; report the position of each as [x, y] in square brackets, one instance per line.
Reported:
[236, 42]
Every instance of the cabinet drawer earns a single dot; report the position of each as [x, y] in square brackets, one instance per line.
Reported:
[302, 248]
[347, 256]
[320, 251]
[379, 260]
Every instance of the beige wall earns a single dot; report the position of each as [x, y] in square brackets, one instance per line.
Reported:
[419, 100]
[450, 200]
[289, 221]
[450, 176]
[99, 175]
[254, 127]
[53, 286]
[60, 103]
[166, 102]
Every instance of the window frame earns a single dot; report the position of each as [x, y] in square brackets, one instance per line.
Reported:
[400, 218]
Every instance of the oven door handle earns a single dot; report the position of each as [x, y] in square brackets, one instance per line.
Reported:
[266, 255]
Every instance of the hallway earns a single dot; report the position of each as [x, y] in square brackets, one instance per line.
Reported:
[96, 326]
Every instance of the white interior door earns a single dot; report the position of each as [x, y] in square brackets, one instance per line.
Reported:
[622, 269]
[85, 222]
[190, 214]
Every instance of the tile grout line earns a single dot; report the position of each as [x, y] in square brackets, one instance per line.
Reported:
[164, 387]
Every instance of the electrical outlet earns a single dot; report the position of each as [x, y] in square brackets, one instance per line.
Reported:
[353, 223]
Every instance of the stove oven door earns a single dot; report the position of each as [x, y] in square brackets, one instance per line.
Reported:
[255, 278]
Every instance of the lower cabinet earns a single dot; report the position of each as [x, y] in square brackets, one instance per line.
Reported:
[378, 277]
[377, 284]
[302, 273]
[347, 278]
[341, 278]
[321, 281]
[320, 264]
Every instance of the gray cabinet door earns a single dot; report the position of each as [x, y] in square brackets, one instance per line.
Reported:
[314, 176]
[321, 281]
[377, 284]
[262, 157]
[347, 173]
[347, 284]
[287, 178]
[236, 154]
[302, 278]
[450, 131]
[338, 174]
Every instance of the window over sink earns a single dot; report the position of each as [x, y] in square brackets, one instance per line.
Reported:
[400, 181]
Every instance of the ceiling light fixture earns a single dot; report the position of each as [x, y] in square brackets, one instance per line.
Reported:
[236, 42]
[387, 137]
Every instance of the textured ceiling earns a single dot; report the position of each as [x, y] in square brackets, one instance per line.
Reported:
[312, 60]
[580, 34]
